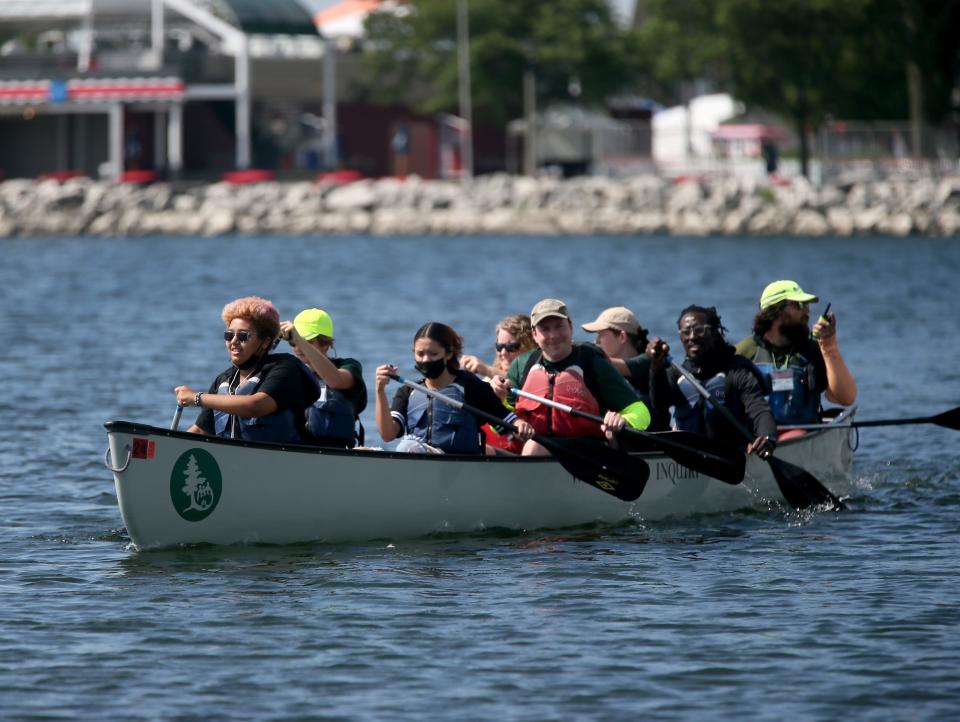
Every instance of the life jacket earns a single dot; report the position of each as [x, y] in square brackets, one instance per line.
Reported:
[439, 424]
[789, 389]
[332, 415]
[566, 387]
[279, 427]
[696, 415]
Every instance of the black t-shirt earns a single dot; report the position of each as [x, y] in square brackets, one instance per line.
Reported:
[743, 397]
[282, 377]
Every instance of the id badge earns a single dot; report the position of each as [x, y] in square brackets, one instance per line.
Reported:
[782, 381]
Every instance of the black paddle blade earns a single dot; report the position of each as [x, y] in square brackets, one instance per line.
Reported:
[949, 419]
[800, 488]
[718, 461]
[595, 463]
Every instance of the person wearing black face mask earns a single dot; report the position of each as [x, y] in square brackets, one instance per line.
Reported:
[425, 425]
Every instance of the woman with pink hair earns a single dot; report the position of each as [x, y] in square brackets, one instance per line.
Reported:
[262, 396]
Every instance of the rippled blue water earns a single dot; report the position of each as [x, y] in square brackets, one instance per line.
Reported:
[767, 616]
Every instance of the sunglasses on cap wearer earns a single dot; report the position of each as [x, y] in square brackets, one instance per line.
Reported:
[242, 336]
[799, 304]
[510, 347]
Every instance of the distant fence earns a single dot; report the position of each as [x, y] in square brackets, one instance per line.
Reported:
[885, 148]
[840, 150]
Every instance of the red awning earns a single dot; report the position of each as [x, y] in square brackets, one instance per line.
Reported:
[90, 90]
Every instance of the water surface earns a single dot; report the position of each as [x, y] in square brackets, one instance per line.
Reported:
[763, 616]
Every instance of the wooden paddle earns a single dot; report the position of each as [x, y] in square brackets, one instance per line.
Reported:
[595, 463]
[948, 419]
[799, 487]
[692, 454]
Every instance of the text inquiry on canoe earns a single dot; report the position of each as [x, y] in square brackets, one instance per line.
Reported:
[673, 471]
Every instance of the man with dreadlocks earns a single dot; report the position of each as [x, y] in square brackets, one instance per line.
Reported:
[731, 379]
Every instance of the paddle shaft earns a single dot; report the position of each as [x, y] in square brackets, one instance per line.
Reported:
[613, 472]
[175, 424]
[479, 413]
[948, 420]
[799, 487]
[723, 410]
[660, 440]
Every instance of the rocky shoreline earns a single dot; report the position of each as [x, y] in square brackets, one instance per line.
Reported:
[496, 204]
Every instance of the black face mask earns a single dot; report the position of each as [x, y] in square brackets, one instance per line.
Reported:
[432, 369]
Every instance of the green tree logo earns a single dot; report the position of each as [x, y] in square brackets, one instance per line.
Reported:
[195, 484]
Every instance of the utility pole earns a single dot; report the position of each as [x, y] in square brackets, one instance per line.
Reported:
[466, 104]
[330, 160]
[529, 115]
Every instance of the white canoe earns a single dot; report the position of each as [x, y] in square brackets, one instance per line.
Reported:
[178, 488]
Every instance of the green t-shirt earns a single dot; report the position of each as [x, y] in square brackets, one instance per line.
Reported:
[356, 394]
[639, 378]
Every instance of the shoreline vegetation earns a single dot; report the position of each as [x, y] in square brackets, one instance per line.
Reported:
[497, 204]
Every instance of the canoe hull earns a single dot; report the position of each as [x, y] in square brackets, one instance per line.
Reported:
[177, 488]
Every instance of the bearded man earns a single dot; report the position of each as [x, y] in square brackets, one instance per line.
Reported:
[798, 364]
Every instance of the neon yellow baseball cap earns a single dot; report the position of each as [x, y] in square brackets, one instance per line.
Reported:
[784, 291]
[313, 322]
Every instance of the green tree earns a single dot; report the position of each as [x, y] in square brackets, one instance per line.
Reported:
[411, 59]
[794, 57]
[809, 60]
[932, 58]
[679, 44]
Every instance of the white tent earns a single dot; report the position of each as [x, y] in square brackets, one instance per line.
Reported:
[670, 127]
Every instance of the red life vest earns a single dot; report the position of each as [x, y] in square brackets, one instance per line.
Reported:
[566, 387]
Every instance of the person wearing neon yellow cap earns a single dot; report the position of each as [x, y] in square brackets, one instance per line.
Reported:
[797, 365]
[333, 418]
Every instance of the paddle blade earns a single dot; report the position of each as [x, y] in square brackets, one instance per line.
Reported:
[949, 419]
[693, 451]
[595, 463]
[800, 488]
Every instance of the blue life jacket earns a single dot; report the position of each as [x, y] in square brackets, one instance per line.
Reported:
[789, 389]
[696, 415]
[450, 429]
[332, 415]
[279, 427]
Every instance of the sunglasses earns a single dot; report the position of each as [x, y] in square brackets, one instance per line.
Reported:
[695, 331]
[511, 347]
[242, 336]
